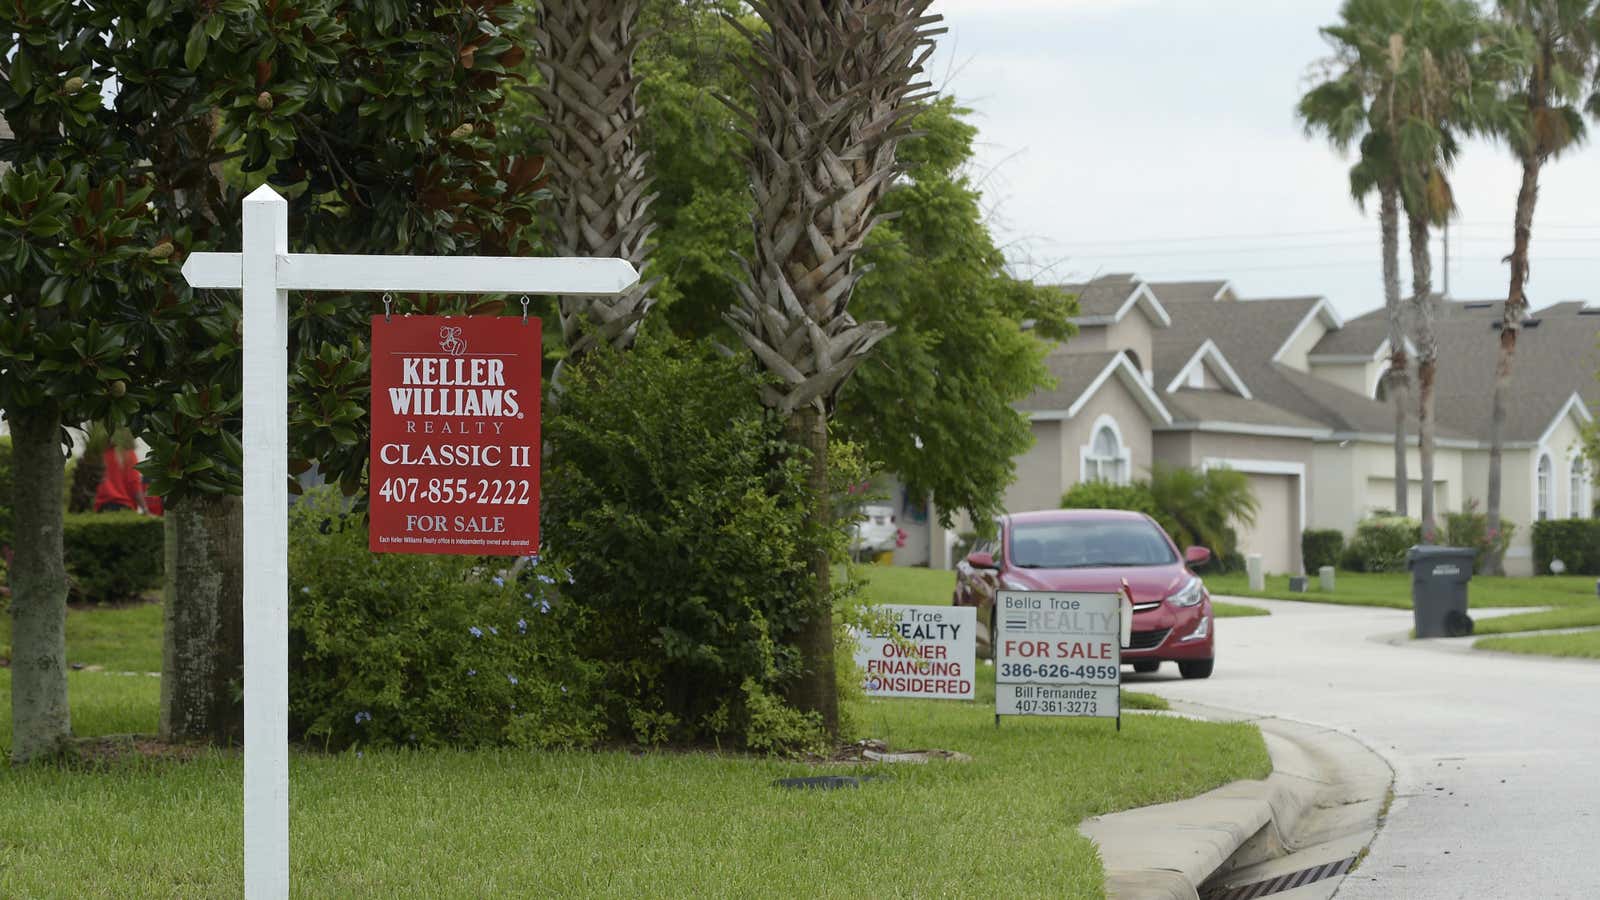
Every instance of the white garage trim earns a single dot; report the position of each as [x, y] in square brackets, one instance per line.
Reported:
[1264, 467]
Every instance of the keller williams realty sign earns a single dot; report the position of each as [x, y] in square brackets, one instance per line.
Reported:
[455, 435]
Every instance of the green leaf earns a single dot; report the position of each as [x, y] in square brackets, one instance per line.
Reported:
[194, 50]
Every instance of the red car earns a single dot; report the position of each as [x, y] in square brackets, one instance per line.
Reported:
[1095, 550]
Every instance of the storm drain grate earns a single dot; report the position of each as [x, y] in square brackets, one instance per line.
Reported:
[1282, 882]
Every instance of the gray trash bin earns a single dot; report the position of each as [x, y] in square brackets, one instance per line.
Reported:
[1439, 577]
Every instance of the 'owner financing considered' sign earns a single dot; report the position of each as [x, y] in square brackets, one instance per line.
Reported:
[927, 652]
[1058, 654]
[455, 435]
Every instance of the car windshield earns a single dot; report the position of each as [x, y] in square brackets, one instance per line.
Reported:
[1089, 543]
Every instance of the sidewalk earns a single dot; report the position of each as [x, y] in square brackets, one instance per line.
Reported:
[1308, 820]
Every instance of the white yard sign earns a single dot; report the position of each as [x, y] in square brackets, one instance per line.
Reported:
[928, 652]
[266, 271]
[1058, 654]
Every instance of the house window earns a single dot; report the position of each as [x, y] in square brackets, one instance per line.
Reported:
[1577, 480]
[1542, 489]
[1197, 376]
[1106, 459]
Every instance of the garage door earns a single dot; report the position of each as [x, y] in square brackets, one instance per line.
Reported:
[1276, 531]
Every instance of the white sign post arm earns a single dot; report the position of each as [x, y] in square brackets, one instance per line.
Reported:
[265, 309]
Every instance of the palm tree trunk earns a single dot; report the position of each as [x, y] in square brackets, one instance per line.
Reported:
[41, 721]
[1398, 377]
[202, 647]
[817, 688]
[1427, 362]
[1510, 325]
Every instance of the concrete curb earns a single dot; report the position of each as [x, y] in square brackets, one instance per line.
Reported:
[1326, 788]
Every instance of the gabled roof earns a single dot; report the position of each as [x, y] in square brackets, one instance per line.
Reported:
[1554, 358]
[1191, 291]
[1079, 376]
[1194, 410]
[1208, 355]
[1320, 310]
[1105, 300]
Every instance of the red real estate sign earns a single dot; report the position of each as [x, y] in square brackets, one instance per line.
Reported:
[455, 435]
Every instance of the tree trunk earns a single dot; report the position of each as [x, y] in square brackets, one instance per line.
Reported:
[202, 645]
[41, 722]
[1398, 377]
[817, 689]
[1427, 363]
[1510, 326]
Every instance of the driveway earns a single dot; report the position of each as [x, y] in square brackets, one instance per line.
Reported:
[1496, 757]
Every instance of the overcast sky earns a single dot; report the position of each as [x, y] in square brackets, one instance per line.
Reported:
[1159, 137]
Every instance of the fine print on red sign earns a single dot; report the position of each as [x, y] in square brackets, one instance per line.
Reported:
[455, 435]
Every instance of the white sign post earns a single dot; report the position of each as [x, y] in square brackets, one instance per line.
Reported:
[927, 652]
[266, 272]
[1058, 654]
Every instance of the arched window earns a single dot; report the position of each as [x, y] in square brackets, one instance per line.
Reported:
[1577, 484]
[1106, 457]
[1541, 492]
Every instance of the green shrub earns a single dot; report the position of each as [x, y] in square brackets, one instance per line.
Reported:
[1576, 542]
[1134, 496]
[113, 556]
[1470, 528]
[681, 517]
[402, 649]
[1321, 547]
[1380, 544]
[1194, 507]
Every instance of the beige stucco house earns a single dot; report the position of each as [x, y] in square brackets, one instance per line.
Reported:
[1288, 392]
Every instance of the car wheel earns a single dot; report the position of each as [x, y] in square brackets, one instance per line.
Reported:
[1196, 668]
[1147, 665]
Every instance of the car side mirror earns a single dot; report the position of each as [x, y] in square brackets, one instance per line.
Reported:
[1195, 557]
[981, 560]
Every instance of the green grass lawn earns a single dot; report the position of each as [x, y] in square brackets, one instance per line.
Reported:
[934, 587]
[1393, 589]
[1560, 617]
[119, 640]
[664, 824]
[1584, 645]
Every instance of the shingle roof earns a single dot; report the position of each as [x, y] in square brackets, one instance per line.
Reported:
[1361, 336]
[1186, 291]
[1172, 348]
[1250, 331]
[1073, 372]
[1189, 406]
[1554, 360]
[1104, 295]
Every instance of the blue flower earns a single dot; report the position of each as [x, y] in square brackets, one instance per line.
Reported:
[546, 579]
[493, 630]
[363, 716]
[475, 631]
[499, 582]
[563, 689]
[511, 678]
[527, 596]
[544, 606]
[472, 673]
[522, 626]
[306, 589]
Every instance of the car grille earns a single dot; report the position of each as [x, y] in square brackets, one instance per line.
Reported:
[1146, 640]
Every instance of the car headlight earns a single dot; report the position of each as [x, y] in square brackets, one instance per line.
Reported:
[1188, 595]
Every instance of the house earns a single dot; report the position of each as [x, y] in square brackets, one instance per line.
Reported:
[1291, 394]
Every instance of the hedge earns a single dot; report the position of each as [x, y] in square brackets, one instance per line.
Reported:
[1576, 542]
[112, 556]
[1380, 544]
[1321, 547]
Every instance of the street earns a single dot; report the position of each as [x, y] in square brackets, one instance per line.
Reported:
[1496, 788]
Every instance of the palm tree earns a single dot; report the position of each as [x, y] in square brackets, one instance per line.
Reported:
[1434, 88]
[1345, 106]
[1539, 118]
[834, 85]
[591, 116]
